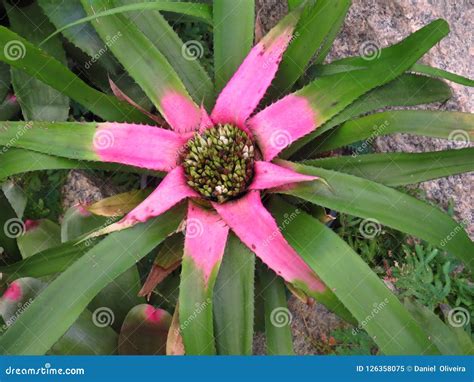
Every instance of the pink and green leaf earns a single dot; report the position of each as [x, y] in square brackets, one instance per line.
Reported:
[147, 66]
[298, 114]
[242, 94]
[268, 243]
[270, 175]
[204, 245]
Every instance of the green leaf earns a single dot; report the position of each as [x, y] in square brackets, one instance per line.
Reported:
[143, 61]
[162, 35]
[435, 72]
[330, 95]
[118, 204]
[144, 331]
[9, 108]
[234, 22]
[317, 23]
[8, 233]
[383, 205]
[279, 340]
[42, 234]
[378, 311]
[119, 297]
[82, 36]
[437, 124]
[38, 101]
[77, 221]
[39, 64]
[48, 262]
[61, 303]
[196, 309]
[201, 11]
[293, 4]
[357, 63]
[83, 337]
[406, 90]
[5, 81]
[444, 337]
[86, 336]
[17, 161]
[16, 196]
[397, 169]
[67, 139]
[234, 300]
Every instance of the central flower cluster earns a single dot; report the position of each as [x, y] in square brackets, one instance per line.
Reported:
[219, 162]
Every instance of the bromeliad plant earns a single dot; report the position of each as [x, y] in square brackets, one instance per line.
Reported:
[222, 165]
